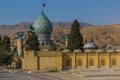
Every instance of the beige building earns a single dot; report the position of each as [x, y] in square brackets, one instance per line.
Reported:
[48, 60]
[56, 60]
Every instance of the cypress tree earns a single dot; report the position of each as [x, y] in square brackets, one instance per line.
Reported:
[32, 41]
[0, 43]
[6, 56]
[75, 40]
[0, 38]
[31, 28]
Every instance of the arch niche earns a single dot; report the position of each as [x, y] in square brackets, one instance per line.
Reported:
[114, 62]
[91, 62]
[102, 62]
[79, 63]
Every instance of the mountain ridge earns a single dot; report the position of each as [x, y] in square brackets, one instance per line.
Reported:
[9, 29]
[102, 35]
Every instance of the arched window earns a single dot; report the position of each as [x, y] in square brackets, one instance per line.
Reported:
[79, 63]
[114, 63]
[91, 62]
[68, 62]
[102, 62]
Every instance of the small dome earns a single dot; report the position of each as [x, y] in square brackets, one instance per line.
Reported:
[88, 50]
[90, 45]
[118, 50]
[45, 50]
[77, 50]
[110, 50]
[66, 51]
[100, 50]
[42, 25]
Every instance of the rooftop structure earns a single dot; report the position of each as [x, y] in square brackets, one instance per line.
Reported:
[90, 45]
[43, 28]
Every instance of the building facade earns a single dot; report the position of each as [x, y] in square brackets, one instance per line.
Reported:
[46, 59]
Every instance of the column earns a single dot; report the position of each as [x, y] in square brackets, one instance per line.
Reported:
[98, 62]
[20, 47]
[86, 60]
[74, 61]
[109, 57]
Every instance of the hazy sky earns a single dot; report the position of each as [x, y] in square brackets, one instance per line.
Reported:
[97, 12]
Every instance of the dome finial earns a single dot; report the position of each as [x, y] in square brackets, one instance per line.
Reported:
[43, 5]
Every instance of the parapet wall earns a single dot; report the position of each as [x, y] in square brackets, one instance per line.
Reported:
[42, 60]
[91, 60]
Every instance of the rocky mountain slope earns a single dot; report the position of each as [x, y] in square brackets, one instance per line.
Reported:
[102, 35]
[8, 29]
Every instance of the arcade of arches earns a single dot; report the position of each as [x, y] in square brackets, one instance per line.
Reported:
[70, 60]
[93, 60]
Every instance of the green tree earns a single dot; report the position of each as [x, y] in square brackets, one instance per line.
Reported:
[75, 40]
[0, 38]
[6, 57]
[5, 43]
[32, 41]
[0, 43]
[31, 28]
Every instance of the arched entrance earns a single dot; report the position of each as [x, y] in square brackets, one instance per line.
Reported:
[68, 64]
[19, 64]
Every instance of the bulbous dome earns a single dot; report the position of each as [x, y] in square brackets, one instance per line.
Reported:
[100, 50]
[77, 50]
[90, 45]
[42, 25]
[110, 50]
[66, 51]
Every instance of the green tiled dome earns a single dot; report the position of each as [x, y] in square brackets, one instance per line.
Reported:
[42, 25]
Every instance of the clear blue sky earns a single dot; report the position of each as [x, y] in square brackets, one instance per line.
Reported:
[97, 12]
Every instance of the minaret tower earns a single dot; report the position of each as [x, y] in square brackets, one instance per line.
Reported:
[66, 37]
[66, 40]
[20, 44]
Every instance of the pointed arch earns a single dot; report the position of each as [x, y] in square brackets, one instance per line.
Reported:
[91, 62]
[114, 62]
[79, 62]
[68, 62]
[102, 62]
